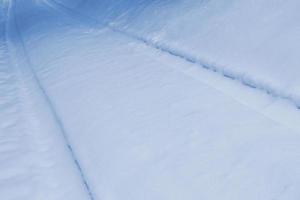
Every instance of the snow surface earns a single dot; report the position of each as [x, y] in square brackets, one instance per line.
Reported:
[255, 41]
[113, 100]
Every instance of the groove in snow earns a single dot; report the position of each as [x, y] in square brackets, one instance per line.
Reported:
[12, 21]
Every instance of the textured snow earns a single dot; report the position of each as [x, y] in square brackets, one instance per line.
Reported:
[143, 100]
[254, 41]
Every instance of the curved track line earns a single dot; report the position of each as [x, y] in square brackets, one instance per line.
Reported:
[243, 79]
[17, 39]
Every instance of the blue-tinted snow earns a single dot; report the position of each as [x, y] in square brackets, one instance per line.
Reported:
[108, 100]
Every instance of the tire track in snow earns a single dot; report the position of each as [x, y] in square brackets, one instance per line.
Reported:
[15, 37]
[245, 80]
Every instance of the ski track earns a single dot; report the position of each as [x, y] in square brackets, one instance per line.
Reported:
[241, 78]
[21, 50]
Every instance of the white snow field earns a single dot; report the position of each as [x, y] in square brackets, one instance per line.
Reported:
[149, 100]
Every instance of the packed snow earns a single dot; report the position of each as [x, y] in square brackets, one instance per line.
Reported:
[149, 99]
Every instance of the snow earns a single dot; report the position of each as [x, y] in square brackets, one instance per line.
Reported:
[254, 41]
[35, 163]
[118, 100]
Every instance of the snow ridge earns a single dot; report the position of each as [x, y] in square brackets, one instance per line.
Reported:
[16, 35]
[227, 73]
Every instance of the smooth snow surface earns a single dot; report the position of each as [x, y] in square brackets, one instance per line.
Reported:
[142, 100]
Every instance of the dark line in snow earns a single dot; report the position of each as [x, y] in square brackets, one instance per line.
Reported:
[47, 99]
[243, 79]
